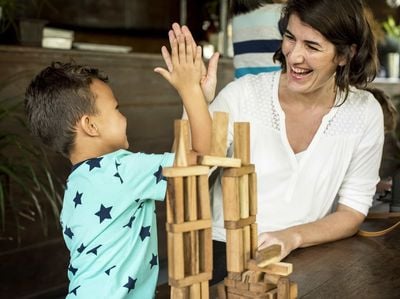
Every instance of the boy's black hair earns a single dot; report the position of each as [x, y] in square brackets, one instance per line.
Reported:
[55, 101]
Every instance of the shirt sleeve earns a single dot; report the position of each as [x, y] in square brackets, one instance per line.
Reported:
[359, 184]
[144, 171]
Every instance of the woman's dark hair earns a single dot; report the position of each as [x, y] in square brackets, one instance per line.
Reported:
[344, 24]
[55, 101]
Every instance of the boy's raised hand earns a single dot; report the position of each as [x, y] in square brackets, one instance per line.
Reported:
[185, 66]
[209, 77]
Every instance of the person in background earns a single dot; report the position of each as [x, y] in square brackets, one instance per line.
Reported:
[255, 35]
[316, 133]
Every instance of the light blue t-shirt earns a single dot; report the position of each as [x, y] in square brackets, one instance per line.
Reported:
[109, 225]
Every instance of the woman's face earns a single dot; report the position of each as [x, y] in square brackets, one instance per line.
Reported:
[311, 59]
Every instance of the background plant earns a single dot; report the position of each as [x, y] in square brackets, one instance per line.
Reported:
[29, 189]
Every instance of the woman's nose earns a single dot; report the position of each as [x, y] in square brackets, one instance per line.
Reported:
[296, 54]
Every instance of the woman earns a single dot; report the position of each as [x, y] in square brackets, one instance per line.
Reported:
[316, 134]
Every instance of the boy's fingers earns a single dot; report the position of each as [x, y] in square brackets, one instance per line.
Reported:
[167, 58]
[189, 53]
[177, 29]
[189, 37]
[171, 37]
[181, 48]
[174, 52]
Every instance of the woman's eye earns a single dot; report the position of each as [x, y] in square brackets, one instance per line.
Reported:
[312, 48]
[288, 36]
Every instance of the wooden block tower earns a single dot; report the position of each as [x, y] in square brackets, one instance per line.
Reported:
[188, 222]
[251, 273]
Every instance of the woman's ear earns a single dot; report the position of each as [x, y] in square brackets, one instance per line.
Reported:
[347, 58]
[88, 125]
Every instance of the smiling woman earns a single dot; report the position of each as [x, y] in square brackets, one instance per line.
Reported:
[316, 134]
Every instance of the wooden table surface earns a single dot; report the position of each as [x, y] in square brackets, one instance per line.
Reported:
[356, 267]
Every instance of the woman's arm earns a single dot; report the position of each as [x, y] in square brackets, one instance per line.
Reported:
[339, 225]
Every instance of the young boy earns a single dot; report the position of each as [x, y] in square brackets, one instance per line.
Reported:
[108, 216]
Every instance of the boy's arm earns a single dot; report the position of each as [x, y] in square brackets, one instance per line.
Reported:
[185, 75]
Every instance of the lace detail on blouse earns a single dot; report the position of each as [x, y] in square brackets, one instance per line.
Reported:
[349, 117]
[261, 106]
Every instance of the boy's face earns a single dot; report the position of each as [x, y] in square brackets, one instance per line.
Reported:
[110, 122]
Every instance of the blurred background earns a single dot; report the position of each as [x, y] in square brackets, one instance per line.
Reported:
[123, 38]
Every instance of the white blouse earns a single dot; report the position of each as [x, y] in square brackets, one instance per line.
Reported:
[342, 160]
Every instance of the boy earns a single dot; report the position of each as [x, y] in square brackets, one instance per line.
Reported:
[108, 219]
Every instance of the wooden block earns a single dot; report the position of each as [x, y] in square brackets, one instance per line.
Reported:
[235, 275]
[240, 223]
[230, 282]
[254, 239]
[190, 198]
[205, 248]
[188, 226]
[284, 288]
[244, 196]
[273, 294]
[268, 255]
[237, 172]
[176, 257]
[181, 143]
[221, 291]
[271, 278]
[245, 294]
[294, 293]
[253, 193]
[246, 244]
[195, 291]
[179, 293]
[175, 205]
[230, 199]
[205, 290]
[261, 287]
[193, 263]
[240, 285]
[281, 268]
[246, 276]
[219, 134]
[234, 296]
[241, 147]
[219, 161]
[234, 254]
[169, 206]
[203, 197]
[189, 280]
[255, 276]
[185, 171]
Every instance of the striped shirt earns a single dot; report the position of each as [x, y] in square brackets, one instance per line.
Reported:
[256, 37]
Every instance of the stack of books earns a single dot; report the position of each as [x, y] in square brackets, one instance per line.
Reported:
[55, 38]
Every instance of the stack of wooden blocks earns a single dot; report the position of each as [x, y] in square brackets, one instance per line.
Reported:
[251, 273]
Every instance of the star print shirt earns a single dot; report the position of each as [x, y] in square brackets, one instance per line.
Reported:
[109, 225]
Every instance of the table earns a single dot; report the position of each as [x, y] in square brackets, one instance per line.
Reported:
[356, 267]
